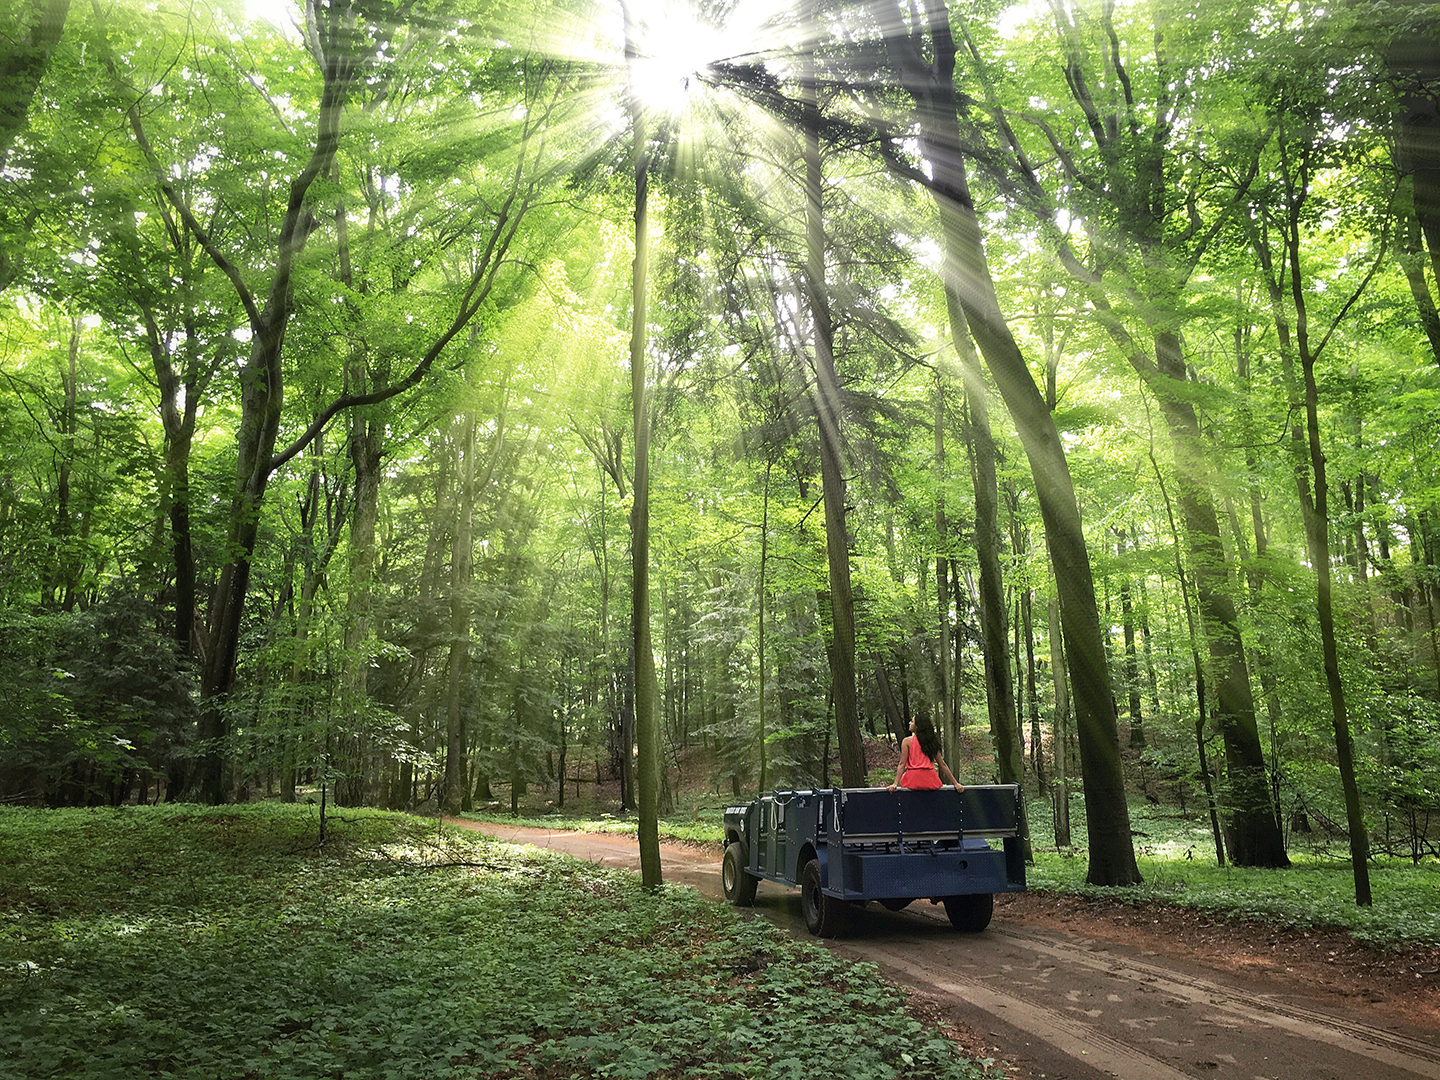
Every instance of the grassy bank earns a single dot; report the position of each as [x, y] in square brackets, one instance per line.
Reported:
[181, 942]
[683, 830]
[1176, 856]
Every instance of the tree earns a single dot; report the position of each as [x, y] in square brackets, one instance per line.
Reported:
[467, 258]
[36, 35]
[999, 690]
[340, 51]
[1303, 149]
[1412, 65]
[829, 411]
[1136, 189]
[646, 686]
[967, 273]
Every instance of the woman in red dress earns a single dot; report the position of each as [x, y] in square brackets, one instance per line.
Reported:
[920, 759]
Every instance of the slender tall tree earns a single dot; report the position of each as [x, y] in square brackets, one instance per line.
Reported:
[1123, 156]
[931, 85]
[646, 688]
[994, 613]
[829, 412]
[1301, 143]
[458, 663]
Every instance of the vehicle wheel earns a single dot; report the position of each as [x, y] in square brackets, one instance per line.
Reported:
[739, 886]
[897, 904]
[970, 914]
[825, 916]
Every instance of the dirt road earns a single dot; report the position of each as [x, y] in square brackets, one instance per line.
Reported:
[1060, 1004]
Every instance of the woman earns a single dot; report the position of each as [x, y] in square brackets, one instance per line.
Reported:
[920, 758]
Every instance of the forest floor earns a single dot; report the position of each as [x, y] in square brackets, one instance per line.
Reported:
[1162, 990]
[1375, 990]
[1330, 963]
[1405, 983]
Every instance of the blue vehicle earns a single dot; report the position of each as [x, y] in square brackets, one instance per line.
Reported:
[845, 846]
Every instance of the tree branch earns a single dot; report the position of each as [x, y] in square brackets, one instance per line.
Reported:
[181, 204]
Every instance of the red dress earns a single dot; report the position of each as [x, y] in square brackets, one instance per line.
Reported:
[920, 773]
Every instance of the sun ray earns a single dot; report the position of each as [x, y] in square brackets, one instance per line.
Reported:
[675, 43]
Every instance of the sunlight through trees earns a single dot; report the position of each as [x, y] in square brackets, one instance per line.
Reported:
[500, 401]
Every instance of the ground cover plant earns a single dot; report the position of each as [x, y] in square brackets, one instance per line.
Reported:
[1176, 856]
[176, 941]
[674, 830]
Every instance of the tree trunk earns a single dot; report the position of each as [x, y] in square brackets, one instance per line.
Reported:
[352, 750]
[1255, 839]
[1263, 664]
[1414, 63]
[895, 723]
[760, 636]
[1296, 163]
[1319, 536]
[1429, 589]
[21, 68]
[1112, 853]
[365, 452]
[1412, 265]
[1037, 756]
[179, 425]
[1132, 663]
[829, 410]
[1059, 729]
[946, 720]
[994, 613]
[1201, 709]
[302, 674]
[61, 588]
[646, 734]
[461, 562]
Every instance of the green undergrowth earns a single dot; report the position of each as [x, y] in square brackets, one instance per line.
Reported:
[707, 830]
[1176, 857]
[181, 942]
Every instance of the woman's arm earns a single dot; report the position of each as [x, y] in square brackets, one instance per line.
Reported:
[945, 772]
[904, 757]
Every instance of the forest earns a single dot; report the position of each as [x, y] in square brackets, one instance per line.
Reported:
[437, 403]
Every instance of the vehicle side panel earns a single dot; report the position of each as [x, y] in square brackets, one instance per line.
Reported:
[874, 844]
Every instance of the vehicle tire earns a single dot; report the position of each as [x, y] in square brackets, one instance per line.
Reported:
[897, 904]
[825, 916]
[739, 887]
[970, 914]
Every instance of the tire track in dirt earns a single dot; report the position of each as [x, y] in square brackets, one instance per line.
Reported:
[1422, 1059]
[1084, 1043]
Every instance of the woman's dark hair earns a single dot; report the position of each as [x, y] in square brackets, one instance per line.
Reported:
[929, 738]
